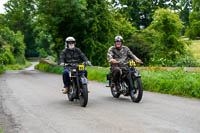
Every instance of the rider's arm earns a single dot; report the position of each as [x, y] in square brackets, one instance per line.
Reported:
[132, 56]
[62, 56]
[83, 57]
[110, 54]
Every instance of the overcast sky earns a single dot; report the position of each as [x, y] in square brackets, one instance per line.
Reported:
[1, 5]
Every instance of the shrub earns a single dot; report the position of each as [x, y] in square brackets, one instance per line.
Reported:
[2, 68]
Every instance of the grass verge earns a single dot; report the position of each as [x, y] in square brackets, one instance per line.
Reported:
[194, 48]
[18, 66]
[176, 82]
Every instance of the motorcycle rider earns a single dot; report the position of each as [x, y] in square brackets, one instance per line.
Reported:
[71, 54]
[119, 53]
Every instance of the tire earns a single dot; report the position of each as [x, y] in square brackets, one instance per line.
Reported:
[70, 94]
[83, 96]
[114, 93]
[137, 93]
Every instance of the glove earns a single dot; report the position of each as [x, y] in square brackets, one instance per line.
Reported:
[62, 64]
[89, 63]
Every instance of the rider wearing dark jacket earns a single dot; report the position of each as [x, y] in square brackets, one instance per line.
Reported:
[119, 53]
[73, 55]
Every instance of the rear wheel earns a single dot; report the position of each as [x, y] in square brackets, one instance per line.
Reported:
[83, 96]
[114, 92]
[137, 91]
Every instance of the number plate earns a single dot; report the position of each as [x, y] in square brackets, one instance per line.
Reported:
[132, 63]
[81, 67]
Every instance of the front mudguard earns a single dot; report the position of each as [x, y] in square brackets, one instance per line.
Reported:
[84, 81]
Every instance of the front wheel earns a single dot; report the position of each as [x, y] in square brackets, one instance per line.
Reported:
[114, 92]
[83, 96]
[70, 94]
[137, 91]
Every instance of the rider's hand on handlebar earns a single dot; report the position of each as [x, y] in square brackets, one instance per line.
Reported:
[113, 61]
[62, 64]
[138, 60]
[88, 63]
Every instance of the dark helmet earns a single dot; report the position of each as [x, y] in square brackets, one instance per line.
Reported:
[119, 39]
[69, 39]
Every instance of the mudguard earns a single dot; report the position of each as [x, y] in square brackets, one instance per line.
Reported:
[84, 80]
[136, 74]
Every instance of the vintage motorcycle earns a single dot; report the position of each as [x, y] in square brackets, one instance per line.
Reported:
[78, 88]
[130, 83]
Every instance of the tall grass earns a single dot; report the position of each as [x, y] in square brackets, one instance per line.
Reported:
[177, 82]
[194, 48]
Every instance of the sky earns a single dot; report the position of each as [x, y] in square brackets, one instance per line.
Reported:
[1, 5]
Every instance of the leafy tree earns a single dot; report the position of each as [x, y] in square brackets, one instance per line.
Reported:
[193, 30]
[19, 16]
[167, 26]
[140, 12]
[93, 24]
[12, 46]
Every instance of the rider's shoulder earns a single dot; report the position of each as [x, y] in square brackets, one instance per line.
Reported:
[125, 47]
[77, 49]
[112, 47]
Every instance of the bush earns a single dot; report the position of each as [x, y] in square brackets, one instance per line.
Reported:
[141, 45]
[194, 30]
[7, 58]
[2, 69]
[167, 48]
[12, 45]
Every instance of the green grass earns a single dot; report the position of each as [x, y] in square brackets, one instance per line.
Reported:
[18, 66]
[195, 48]
[177, 82]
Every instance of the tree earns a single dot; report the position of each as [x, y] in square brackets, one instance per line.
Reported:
[167, 25]
[93, 24]
[19, 17]
[140, 12]
[193, 29]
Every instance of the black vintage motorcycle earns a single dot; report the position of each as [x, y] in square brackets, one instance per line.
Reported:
[78, 88]
[130, 83]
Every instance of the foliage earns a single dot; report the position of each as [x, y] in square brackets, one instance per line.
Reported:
[177, 82]
[2, 68]
[168, 48]
[141, 44]
[93, 24]
[49, 68]
[174, 82]
[19, 17]
[17, 66]
[194, 49]
[12, 45]
[193, 30]
[140, 12]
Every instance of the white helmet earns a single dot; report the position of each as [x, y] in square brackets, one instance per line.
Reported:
[69, 39]
[119, 39]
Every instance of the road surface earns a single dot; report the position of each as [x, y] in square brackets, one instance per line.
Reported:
[31, 102]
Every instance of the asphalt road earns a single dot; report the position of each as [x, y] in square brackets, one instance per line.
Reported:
[31, 102]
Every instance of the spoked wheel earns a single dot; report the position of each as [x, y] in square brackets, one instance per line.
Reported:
[70, 94]
[114, 92]
[83, 96]
[136, 92]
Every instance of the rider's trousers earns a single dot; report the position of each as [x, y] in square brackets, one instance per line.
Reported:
[66, 78]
